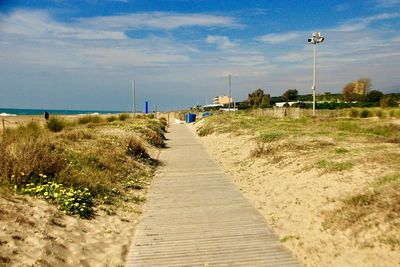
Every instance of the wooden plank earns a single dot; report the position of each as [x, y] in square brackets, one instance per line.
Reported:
[196, 216]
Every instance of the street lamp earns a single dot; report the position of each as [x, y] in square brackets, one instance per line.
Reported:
[315, 39]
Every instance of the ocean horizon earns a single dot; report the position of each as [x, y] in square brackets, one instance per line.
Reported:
[20, 111]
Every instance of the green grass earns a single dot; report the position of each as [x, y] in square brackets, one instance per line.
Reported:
[341, 150]
[334, 166]
[269, 129]
[270, 137]
[56, 124]
[288, 237]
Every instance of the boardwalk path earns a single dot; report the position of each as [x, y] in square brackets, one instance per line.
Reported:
[195, 216]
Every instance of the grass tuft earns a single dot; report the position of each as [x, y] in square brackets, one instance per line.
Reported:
[334, 166]
[136, 149]
[365, 113]
[89, 119]
[56, 124]
[123, 116]
[376, 205]
[269, 137]
[262, 150]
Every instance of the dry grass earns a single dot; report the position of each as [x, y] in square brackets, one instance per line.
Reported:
[378, 204]
[102, 158]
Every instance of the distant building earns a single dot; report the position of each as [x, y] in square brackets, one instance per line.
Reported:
[221, 100]
[359, 87]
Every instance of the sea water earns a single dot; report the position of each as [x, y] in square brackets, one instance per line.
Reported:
[16, 112]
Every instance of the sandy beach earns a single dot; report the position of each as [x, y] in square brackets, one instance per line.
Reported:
[35, 233]
[294, 197]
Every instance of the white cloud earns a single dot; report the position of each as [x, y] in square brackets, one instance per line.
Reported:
[222, 42]
[38, 24]
[158, 20]
[342, 7]
[387, 3]
[362, 23]
[277, 38]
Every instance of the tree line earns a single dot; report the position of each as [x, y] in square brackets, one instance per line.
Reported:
[357, 93]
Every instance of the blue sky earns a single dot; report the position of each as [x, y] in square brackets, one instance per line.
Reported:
[82, 54]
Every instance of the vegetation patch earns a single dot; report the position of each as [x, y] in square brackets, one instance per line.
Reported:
[341, 150]
[136, 149]
[56, 124]
[83, 167]
[123, 116]
[378, 204]
[89, 119]
[72, 201]
[262, 150]
[269, 137]
[334, 166]
[289, 237]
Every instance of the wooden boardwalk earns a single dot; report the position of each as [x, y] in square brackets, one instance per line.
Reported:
[196, 216]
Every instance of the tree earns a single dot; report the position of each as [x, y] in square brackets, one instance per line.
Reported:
[356, 90]
[258, 99]
[290, 94]
[348, 92]
[388, 101]
[373, 96]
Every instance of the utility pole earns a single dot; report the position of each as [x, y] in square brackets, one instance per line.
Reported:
[230, 93]
[133, 97]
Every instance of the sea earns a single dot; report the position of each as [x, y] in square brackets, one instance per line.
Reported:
[17, 112]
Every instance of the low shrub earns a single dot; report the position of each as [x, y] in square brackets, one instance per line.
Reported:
[123, 116]
[334, 166]
[111, 118]
[28, 157]
[135, 183]
[136, 149]
[163, 121]
[262, 150]
[89, 119]
[205, 130]
[269, 137]
[379, 113]
[72, 201]
[56, 124]
[354, 113]
[78, 134]
[154, 138]
[365, 113]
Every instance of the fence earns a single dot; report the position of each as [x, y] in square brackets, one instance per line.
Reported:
[11, 122]
[296, 113]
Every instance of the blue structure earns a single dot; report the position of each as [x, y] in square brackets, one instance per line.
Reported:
[190, 117]
[147, 107]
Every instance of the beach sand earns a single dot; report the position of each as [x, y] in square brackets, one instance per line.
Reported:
[294, 197]
[35, 233]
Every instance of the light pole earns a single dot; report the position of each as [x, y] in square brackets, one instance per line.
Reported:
[229, 93]
[133, 82]
[315, 39]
